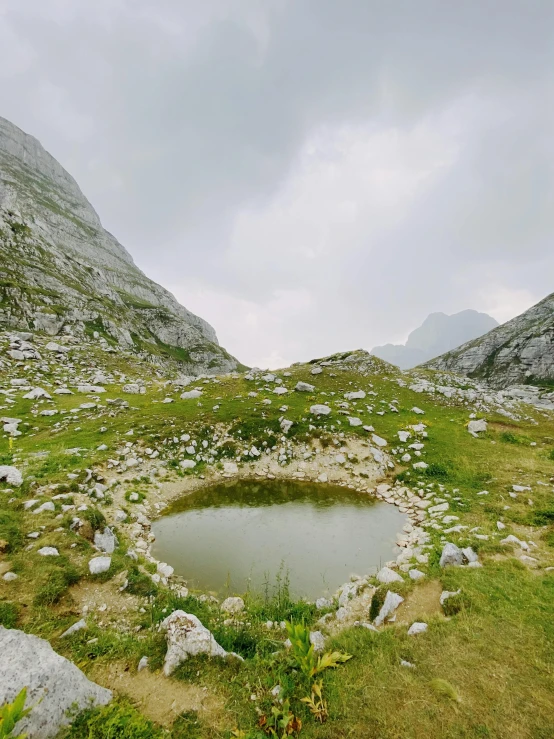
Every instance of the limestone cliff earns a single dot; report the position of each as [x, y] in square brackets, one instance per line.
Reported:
[61, 271]
[519, 351]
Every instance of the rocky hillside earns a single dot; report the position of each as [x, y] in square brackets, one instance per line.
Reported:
[63, 273]
[519, 351]
[437, 334]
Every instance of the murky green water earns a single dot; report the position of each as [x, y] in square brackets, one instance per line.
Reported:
[236, 536]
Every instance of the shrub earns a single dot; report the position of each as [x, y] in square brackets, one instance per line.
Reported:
[139, 583]
[508, 438]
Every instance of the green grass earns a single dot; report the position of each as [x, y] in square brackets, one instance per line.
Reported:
[494, 653]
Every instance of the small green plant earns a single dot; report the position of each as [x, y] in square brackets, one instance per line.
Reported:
[304, 655]
[11, 714]
[281, 722]
[508, 438]
[551, 455]
[316, 703]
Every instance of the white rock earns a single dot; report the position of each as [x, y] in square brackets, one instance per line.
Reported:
[304, 387]
[9, 576]
[165, 570]
[82, 624]
[143, 664]
[451, 555]
[36, 393]
[392, 601]
[357, 395]
[417, 628]
[106, 542]
[476, 427]
[48, 552]
[280, 390]
[446, 594]
[187, 464]
[317, 640]
[404, 436]
[378, 440]
[54, 685]
[416, 574]
[417, 410]
[191, 394]
[48, 506]
[187, 637]
[386, 576]
[320, 410]
[11, 475]
[353, 421]
[316, 371]
[232, 605]
[98, 565]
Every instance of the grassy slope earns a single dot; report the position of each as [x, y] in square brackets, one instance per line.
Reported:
[496, 651]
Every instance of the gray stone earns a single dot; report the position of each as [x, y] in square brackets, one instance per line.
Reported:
[54, 684]
[470, 555]
[317, 640]
[304, 387]
[98, 565]
[48, 552]
[417, 628]
[232, 605]
[106, 542]
[187, 637]
[320, 410]
[386, 576]
[451, 555]
[11, 475]
[78, 626]
[392, 601]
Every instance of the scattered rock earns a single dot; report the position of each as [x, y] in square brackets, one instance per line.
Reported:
[232, 605]
[98, 565]
[417, 628]
[386, 576]
[187, 637]
[451, 555]
[392, 601]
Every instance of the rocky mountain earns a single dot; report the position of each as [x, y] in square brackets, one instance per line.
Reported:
[437, 334]
[62, 272]
[519, 351]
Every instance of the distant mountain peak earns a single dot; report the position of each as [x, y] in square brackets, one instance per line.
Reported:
[437, 334]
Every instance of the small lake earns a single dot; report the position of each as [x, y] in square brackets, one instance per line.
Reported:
[240, 535]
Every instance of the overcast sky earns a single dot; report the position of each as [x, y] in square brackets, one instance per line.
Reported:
[308, 175]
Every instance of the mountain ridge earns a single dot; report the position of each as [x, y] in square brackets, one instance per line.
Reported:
[63, 272]
[519, 351]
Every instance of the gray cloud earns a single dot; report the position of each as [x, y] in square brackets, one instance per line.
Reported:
[308, 175]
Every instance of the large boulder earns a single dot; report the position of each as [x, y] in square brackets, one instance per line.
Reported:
[187, 637]
[54, 684]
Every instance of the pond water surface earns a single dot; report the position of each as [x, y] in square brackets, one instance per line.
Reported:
[239, 535]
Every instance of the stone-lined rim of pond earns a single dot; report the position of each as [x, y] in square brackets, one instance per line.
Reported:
[224, 539]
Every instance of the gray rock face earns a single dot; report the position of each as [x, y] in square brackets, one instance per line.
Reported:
[60, 271]
[519, 351]
[437, 334]
[53, 684]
